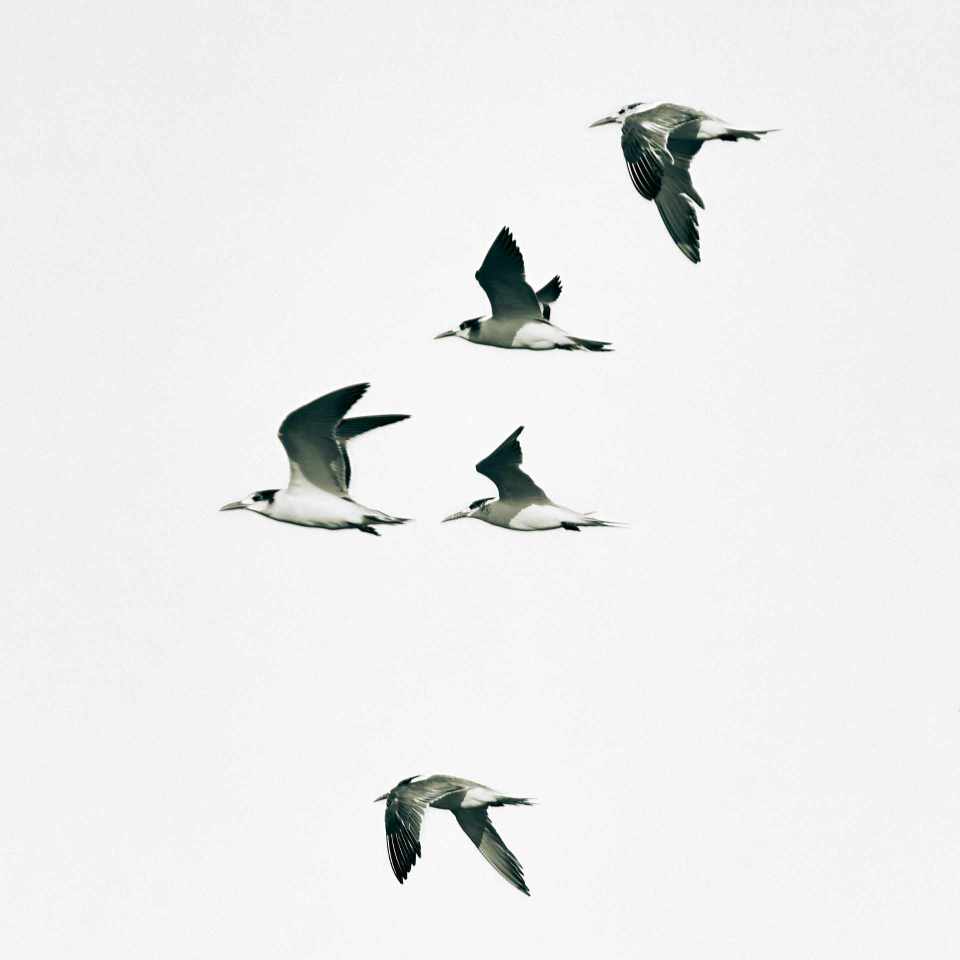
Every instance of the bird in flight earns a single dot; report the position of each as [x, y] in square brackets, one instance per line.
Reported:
[520, 318]
[522, 505]
[315, 437]
[659, 140]
[468, 802]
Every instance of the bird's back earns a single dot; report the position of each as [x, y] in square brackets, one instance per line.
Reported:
[429, 789]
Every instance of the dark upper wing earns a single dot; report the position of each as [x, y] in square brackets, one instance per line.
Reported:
[402, 819]
[477, 826]
[502, 278]
[309, 435]
[354, 426]
[549, 292]
[503, 468]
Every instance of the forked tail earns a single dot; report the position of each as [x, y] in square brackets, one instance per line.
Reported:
[600, 346]
[386, 518]
[732, 134]
[378, 518]
[592, 521]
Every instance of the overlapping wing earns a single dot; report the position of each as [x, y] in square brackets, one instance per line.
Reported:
[659, 167]
[354, 426]
[309, 435]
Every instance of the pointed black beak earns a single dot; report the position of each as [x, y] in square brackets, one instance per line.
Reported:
[600, 123]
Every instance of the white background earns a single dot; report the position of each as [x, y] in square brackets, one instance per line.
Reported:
[740, 715]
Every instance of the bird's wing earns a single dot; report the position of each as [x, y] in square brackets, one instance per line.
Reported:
[676, 200]
[659, 167]
[354, 426]
[679, 215]
[477, 826]
[309, 435]
[503, 468]
[549, 292]
[502, 278]
[649, 150]
[644, 146]
[402, 819]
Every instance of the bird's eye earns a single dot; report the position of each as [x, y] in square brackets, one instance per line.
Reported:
[621, 110]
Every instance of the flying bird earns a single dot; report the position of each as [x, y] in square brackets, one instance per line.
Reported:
[315, 437]
[467, 801]
[659, 140]
[519, 318]
[522, 505]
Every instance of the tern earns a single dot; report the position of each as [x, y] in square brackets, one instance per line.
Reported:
[659, 140]
[315, 437]
[467, 801]
[522, 505]
[520, 318]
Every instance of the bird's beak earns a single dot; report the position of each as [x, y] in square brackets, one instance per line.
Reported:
[456, 516]
[446, 333]
[600, 123]
[236, 505]
[382, 796]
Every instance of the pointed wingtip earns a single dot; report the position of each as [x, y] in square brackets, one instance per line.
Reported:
[356, 390]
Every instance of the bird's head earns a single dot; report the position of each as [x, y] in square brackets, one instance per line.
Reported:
[620, 115]
[474, 510]
[464, 330]
[259, 502]
[402, 783]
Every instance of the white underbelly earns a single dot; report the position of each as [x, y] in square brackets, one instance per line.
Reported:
[318, 509]
[539, 336]
[541, 516]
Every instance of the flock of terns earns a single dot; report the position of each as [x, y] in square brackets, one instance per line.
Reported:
[659, 140]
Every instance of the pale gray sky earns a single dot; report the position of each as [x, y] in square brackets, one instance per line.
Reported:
[740, 715]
